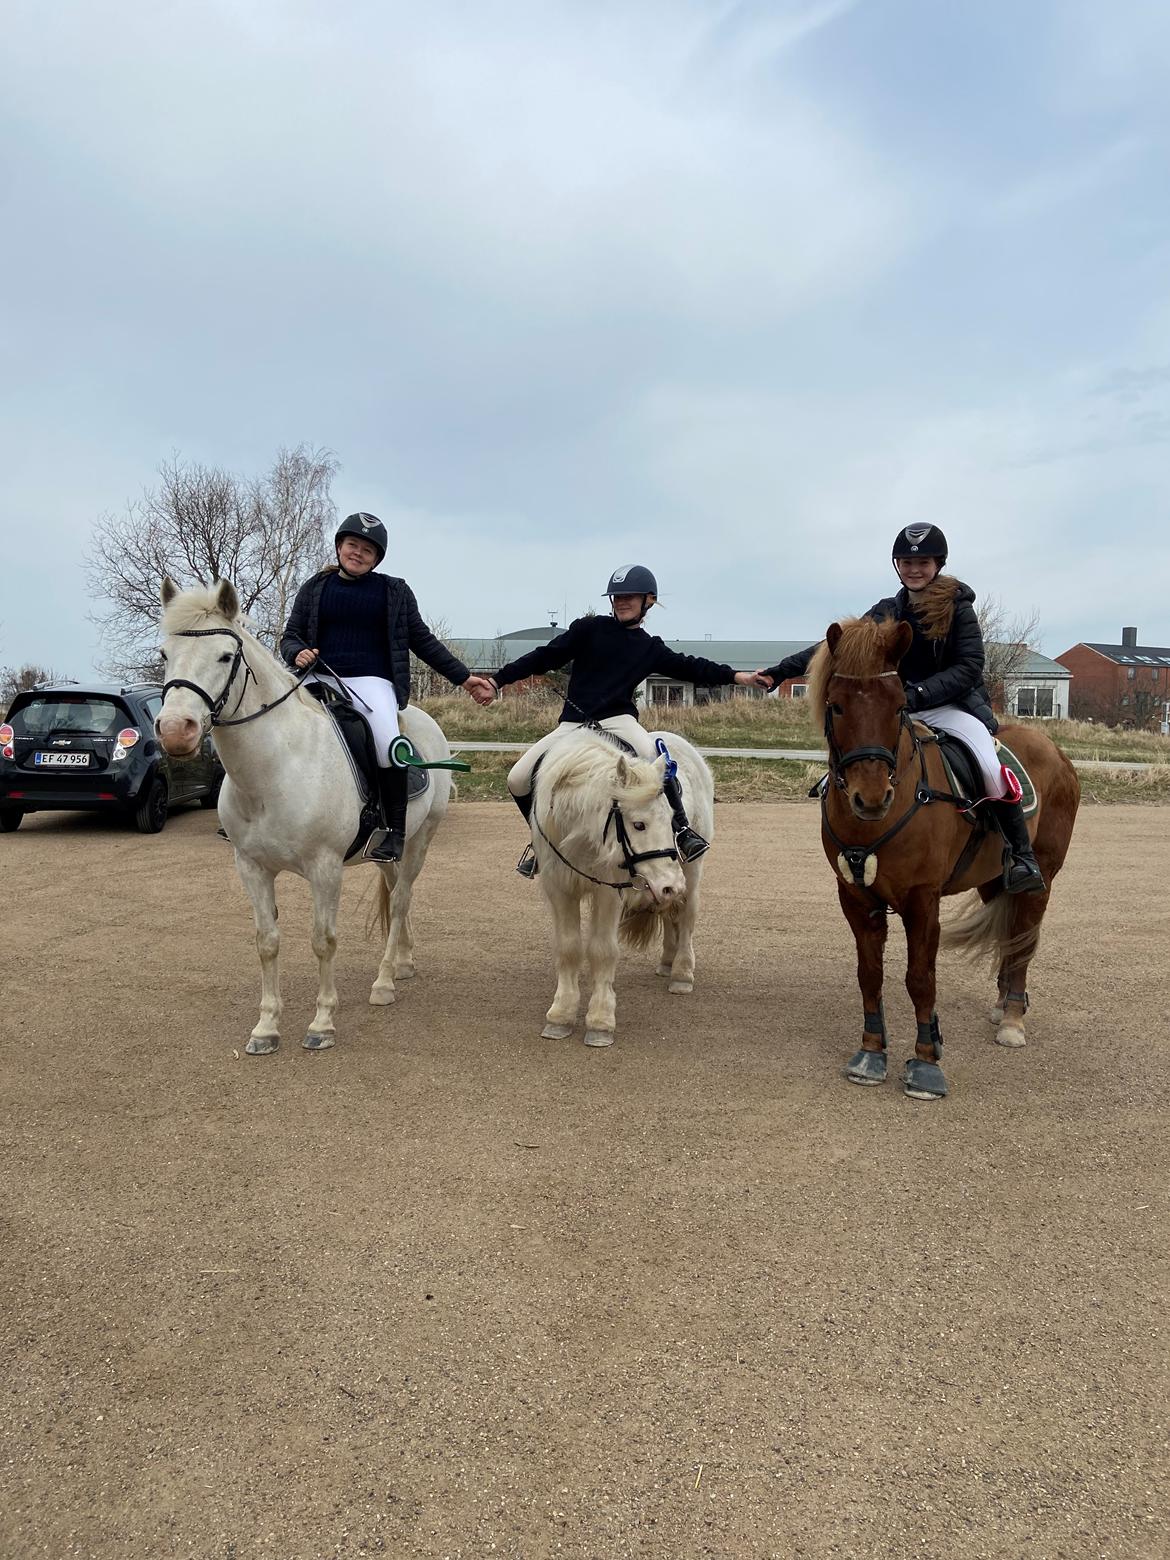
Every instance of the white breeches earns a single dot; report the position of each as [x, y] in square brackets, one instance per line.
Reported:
[971, 730]
[382, 713]
[520, 774]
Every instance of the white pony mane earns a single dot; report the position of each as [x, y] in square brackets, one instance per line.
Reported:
[580, 775]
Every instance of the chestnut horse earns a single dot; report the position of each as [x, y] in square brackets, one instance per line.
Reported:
[896, 846]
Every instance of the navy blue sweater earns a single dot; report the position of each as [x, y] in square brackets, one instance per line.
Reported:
[352, 633]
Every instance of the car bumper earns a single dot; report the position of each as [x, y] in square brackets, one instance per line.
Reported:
[41, 792]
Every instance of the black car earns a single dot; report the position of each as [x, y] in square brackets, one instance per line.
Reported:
[94, 749]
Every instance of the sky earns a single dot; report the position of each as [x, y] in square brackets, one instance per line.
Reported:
[733, 288]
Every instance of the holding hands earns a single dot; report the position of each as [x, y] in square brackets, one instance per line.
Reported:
[756, 679]
[481, 689]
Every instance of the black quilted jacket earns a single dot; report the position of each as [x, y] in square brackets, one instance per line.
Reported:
[405, 631]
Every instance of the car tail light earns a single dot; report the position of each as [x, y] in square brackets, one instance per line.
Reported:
[124, 741]
[6, 735]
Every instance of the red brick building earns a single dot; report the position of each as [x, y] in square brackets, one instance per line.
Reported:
[1118, 683]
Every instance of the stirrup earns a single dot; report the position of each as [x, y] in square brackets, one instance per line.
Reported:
[1022, 875]
[388, 849]
[691, 844]
[528, 866]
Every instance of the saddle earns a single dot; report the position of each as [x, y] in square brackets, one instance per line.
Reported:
[358, 742]
[965, 778]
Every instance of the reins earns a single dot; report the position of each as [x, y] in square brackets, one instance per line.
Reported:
[215, 706]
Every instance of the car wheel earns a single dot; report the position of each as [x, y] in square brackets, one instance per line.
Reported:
[152, 810]
[212, 797]
[10, 818]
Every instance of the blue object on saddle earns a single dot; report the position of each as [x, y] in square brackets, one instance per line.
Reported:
[661, 748]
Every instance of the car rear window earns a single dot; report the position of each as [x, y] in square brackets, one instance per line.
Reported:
[67, 713]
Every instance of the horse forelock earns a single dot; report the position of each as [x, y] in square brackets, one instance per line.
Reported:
[863, 650]
[581, 776]
[197, 607]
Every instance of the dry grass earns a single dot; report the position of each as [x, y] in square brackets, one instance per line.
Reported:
[1085, 739]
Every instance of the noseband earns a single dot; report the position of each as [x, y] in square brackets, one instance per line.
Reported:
[216, 705]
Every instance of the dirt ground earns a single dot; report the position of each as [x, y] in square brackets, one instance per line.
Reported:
[454, 1290]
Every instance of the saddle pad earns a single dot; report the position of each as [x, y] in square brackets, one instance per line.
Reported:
[359, 743]
[1013, 762]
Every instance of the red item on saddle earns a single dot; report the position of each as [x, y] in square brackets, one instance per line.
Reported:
[1013, 791]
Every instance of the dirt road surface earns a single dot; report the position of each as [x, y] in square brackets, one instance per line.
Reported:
[454, 1290]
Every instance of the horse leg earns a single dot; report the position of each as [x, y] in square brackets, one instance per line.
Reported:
[261, 889]
[922, 1077]
[868, 1065]
[562, 1015]
[601, 1015]
[669, 923]
[325, 882]
[1027, 913]
[681, 920]
[398, 955]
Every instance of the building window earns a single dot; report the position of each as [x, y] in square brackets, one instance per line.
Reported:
[800, 690]
[1034, 701]
[1131, 673]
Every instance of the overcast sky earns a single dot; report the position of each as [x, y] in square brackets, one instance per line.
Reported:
[732, 289]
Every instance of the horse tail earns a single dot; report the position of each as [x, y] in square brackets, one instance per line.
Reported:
[380, 914]
[983, 930]
[639, 927]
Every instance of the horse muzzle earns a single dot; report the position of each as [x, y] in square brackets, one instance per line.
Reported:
[868, 811]
[179, 735]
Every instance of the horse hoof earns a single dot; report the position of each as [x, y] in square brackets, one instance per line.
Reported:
[382, 996]
[995, 1014]
[556, 1031]
[313, 1042]
[599, 1037]
[923, 1080]
[262, 1045]
[1011, 1035]
[680, 988]
[866, 1067]
[663, 969]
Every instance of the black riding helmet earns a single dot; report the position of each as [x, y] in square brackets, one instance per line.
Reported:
[633, 579]
[920, 541]
[368, 528]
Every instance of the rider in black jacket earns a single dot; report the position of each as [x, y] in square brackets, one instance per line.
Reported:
[610, 656]
[942, 672]
[364, 625]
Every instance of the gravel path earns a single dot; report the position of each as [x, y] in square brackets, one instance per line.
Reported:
[452, 1290]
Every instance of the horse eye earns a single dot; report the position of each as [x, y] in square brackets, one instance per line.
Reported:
[640, 827]
[835, 709]
[225, 658]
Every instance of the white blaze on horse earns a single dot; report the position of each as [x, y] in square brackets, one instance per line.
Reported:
[289, 801]
[602, 832]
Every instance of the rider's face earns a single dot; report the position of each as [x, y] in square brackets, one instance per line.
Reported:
[916, 573]
[356, 556]
[628, 609]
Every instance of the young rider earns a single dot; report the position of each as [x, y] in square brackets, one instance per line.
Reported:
[610, 657]
[943, 675]
[363, 626]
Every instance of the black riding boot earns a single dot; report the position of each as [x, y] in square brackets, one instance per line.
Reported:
[1021, 870]
[392, 788]
[527, 866]
[689, 842]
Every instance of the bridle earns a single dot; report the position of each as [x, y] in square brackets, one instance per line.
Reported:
[215, 706]
[839, 762]
[630, 857]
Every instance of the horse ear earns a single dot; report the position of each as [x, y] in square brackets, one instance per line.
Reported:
[901, 642]
[833, 637]
[227, 601]
[169, 590]
[623, 770]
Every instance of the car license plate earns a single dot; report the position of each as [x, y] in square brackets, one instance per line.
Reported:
[62, 760]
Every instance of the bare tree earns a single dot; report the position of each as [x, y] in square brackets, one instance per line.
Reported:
[199, 524]
[425, 682]
[1007, 639]
[16, 679]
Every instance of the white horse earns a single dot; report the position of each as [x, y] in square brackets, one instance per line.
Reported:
[289, 802]
[601, 829]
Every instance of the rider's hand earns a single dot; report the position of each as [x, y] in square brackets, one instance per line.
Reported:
[481, 689]
[757, 679]
[307, 657]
